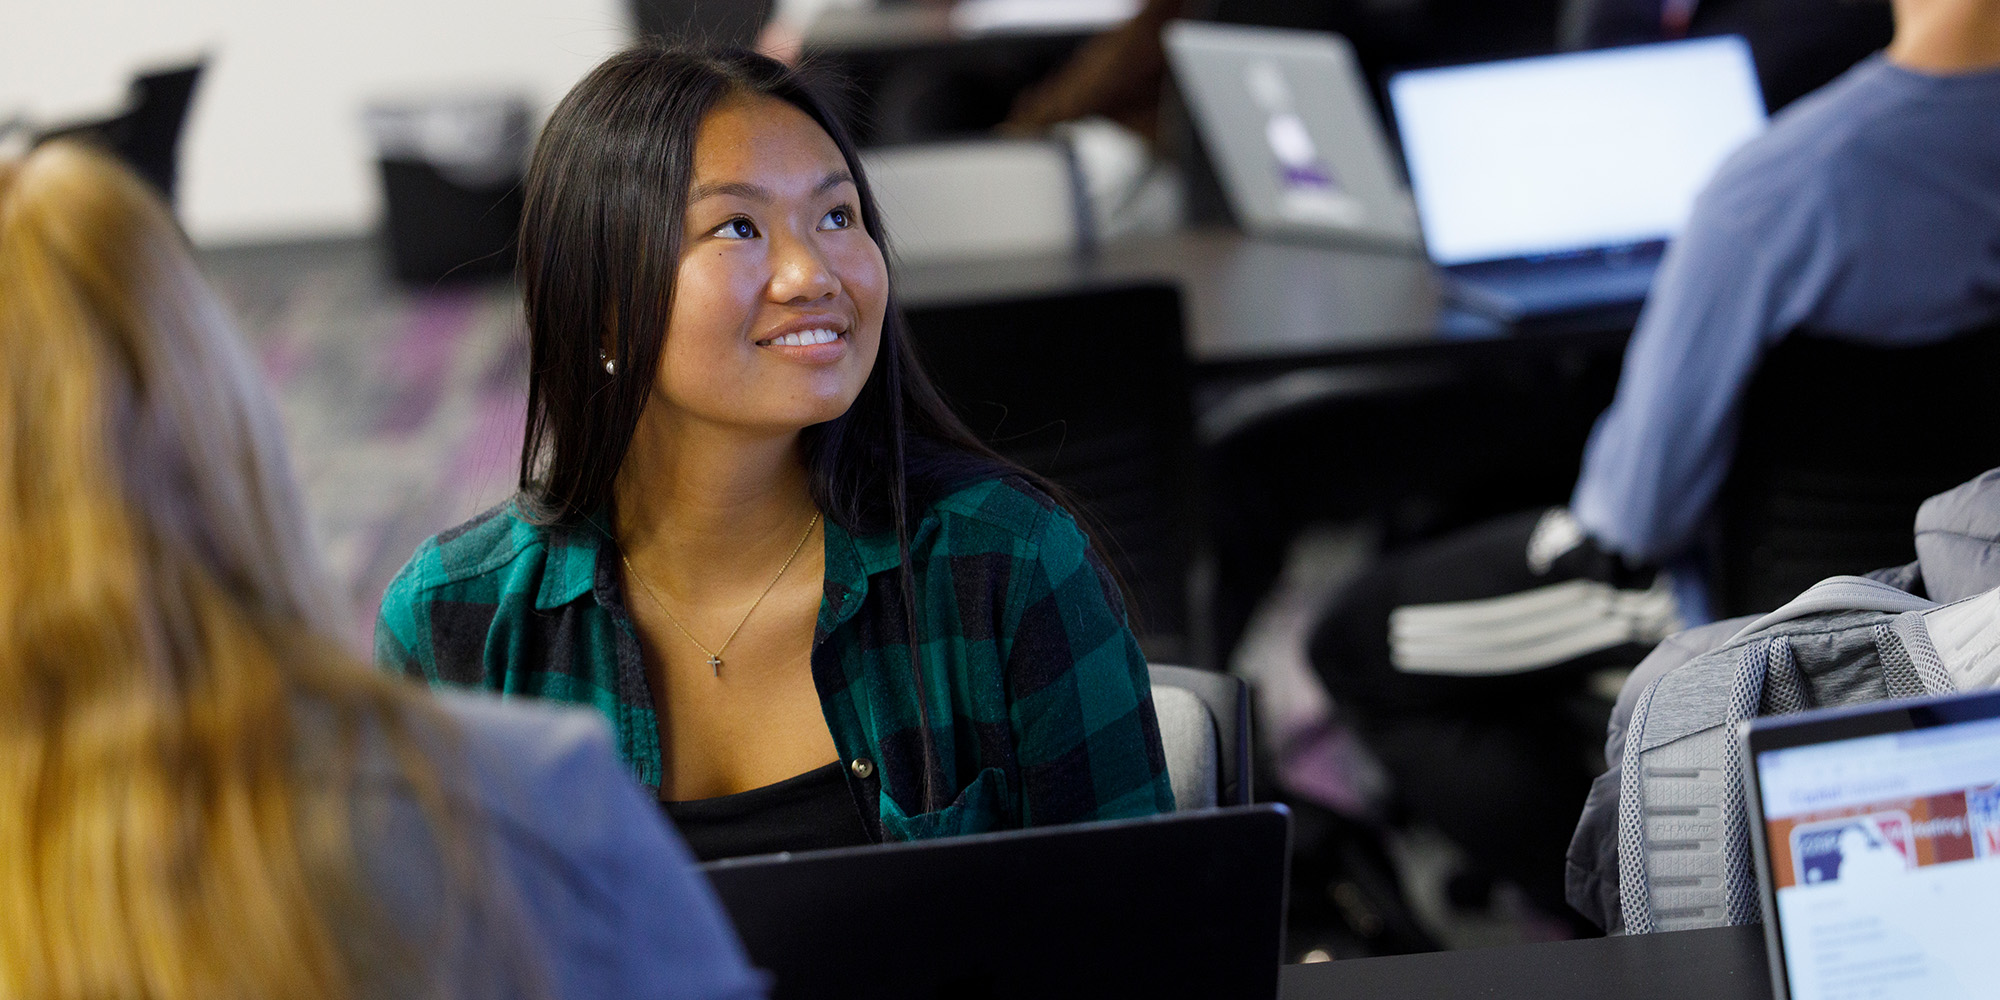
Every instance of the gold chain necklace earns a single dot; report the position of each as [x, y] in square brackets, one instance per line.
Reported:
[715, 655]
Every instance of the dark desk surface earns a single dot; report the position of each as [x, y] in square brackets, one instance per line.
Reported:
[1255, 303]
[1726, 963]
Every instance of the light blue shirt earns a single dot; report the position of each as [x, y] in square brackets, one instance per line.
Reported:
[1870, 211]
[608, 898]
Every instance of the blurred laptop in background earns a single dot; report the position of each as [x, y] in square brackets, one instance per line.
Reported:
[1287, 118]
[1551, 184]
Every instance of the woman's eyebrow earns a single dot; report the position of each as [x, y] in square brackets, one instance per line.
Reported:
[752, 192]
[738, 189]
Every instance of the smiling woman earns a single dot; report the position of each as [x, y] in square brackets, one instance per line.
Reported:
[777, 310]
[720, 379]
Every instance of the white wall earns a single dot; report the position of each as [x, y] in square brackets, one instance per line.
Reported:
[275, 148]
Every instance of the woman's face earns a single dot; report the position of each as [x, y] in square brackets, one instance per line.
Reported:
[778, 304]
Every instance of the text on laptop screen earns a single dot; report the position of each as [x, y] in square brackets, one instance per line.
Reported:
[1885, 857]
[1571, 152]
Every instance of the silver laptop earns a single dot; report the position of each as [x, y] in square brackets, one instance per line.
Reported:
[1287, 119]
[1551, 184]
[1877, 833]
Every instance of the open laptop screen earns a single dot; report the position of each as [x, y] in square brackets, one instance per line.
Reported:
[1884, 858]
[1573, 152]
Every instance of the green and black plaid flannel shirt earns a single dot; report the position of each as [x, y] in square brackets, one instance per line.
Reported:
[1041, 710]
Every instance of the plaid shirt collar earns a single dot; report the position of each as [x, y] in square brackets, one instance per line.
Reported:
[851, 559]
[1040, 706]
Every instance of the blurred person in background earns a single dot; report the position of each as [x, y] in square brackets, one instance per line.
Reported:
[817, 609]
[1122, 73]
[1869, 212]
[202, 795]
[1798, 45]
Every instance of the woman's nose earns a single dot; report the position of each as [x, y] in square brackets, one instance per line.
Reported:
[801, 272]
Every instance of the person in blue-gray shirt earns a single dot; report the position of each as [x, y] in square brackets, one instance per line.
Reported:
[1868, 212]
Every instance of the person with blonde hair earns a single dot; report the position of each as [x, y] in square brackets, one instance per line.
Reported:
[202, 794]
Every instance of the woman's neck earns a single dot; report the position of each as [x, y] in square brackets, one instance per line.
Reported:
[1945, 37]
[697, 504]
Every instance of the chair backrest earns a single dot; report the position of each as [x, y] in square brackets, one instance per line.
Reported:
[147, 134]
[1839, 444]
[1205, 730]
[983, 198]
[1091, 389]
[712, 22]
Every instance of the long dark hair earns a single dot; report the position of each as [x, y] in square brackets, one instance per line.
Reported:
[600, 245]
[601, 239]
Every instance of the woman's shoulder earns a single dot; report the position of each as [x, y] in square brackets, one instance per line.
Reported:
[1007, 506]
[535, 770]
[544, 769]
[585, 853]
[485, 547]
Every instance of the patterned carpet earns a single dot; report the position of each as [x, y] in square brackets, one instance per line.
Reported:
[403, 406]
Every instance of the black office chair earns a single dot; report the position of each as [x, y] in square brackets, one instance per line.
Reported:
[1090, 389]
[147, 134]
[1215, 729]
[1839, 445]
[734, 23]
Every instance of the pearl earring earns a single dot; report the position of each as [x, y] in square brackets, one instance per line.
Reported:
[610, 366]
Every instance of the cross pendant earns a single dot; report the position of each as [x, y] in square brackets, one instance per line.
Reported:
[714, 665]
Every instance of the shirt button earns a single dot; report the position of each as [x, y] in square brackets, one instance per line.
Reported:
[862, 767]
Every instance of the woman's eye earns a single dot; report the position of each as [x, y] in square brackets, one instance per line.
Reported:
[839, 218]
[736, 229]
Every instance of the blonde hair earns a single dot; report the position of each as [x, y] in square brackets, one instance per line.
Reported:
[162, 621]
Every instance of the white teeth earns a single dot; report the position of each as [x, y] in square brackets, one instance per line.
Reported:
[805, 338]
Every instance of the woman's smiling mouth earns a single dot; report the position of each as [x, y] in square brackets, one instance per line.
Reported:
[817, 340]
[802, 338]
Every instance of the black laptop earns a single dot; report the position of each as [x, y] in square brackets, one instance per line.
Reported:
[1877, 832]
[1184, 905]
[1551, 184]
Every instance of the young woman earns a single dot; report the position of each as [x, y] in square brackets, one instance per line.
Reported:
[201, 794]
[816, 608]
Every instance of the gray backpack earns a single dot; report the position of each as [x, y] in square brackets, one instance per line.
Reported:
[1662, 843]
[1683, 849]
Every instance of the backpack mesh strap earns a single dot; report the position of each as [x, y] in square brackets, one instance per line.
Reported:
[1900, 676]
[1916, 641]
[1785, 689]
[1745, 695]
[1634, 894]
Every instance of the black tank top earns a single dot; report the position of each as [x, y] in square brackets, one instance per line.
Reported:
[802, 813]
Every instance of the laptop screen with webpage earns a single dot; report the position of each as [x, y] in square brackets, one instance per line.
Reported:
[1573, 152]
[1884, 859]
